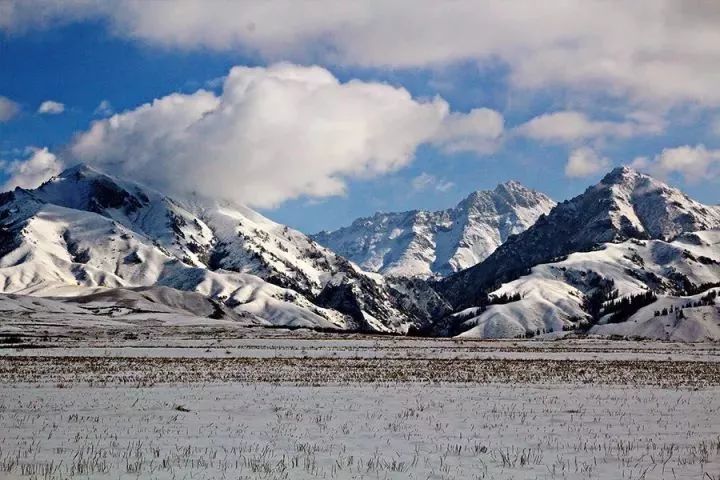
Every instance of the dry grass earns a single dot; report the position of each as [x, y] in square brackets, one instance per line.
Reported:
[153, 370]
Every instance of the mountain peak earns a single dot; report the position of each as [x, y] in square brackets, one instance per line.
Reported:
[625, 204]
[512, 185]
[85, 229]
[511, 191]
[429, 243]
[624, 175]
[79, 169]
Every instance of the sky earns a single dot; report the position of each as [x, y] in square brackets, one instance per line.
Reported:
[319, 112]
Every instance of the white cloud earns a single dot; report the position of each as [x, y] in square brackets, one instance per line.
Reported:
[693, 163]
[480, 131]
[571, 126]
[51, 107]
[8, 109]
[104, 109]
[426, 181]
[274, 134]
[584, 162]
[651, 50]
[40, 166]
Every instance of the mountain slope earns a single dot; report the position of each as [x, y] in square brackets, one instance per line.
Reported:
[597, 264]
[84, 229]
[117, 308]
[699, 320]
[423, 244]
[555, 297]
[624, 205]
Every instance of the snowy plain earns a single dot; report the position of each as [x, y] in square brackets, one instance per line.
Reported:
[359, 431]
[247, 403]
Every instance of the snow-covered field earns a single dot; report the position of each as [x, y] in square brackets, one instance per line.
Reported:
[370, 431]
[293, 405]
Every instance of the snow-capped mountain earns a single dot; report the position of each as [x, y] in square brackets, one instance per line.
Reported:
[624, 205]
[628, 237]
[85, 230]
[630, 256]
[424, 244]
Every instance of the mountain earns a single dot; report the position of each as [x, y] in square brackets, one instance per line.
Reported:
[615, 248]
[425, 244]
[631, 256]
[84, 230]
[624, 205]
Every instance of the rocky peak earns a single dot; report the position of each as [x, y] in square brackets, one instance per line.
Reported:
[422, 243]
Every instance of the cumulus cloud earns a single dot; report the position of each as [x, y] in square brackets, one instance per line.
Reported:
[51, 107]
[426, 181]
[694, 163]
[274, 134]
[8, 109]
[572, 126]
[584, 45]
[39, 166]
[584, 162]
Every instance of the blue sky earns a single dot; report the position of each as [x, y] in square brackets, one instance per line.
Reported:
[81, 57]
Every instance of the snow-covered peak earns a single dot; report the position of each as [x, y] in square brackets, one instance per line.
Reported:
[80, 169]
[512, 186]
[622, 174]
[88, 189]
[423, 243]
[651, 207]
[624, 205]
[85, 228]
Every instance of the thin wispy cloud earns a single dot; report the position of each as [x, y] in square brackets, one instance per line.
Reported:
[584, 162]
[51, 107]
[104, 109]
[426, 181]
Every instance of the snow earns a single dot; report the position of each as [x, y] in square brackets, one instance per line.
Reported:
[84, 230]
[237, 341]
[552, 294]
[424, 244]
[699, 323]
[630, 228]
[358, 431]
[625, 205]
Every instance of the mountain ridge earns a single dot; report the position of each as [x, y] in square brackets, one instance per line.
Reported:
[629, 238]
[422, 243]
[625, 204]
[626, 241]
[84, 228]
